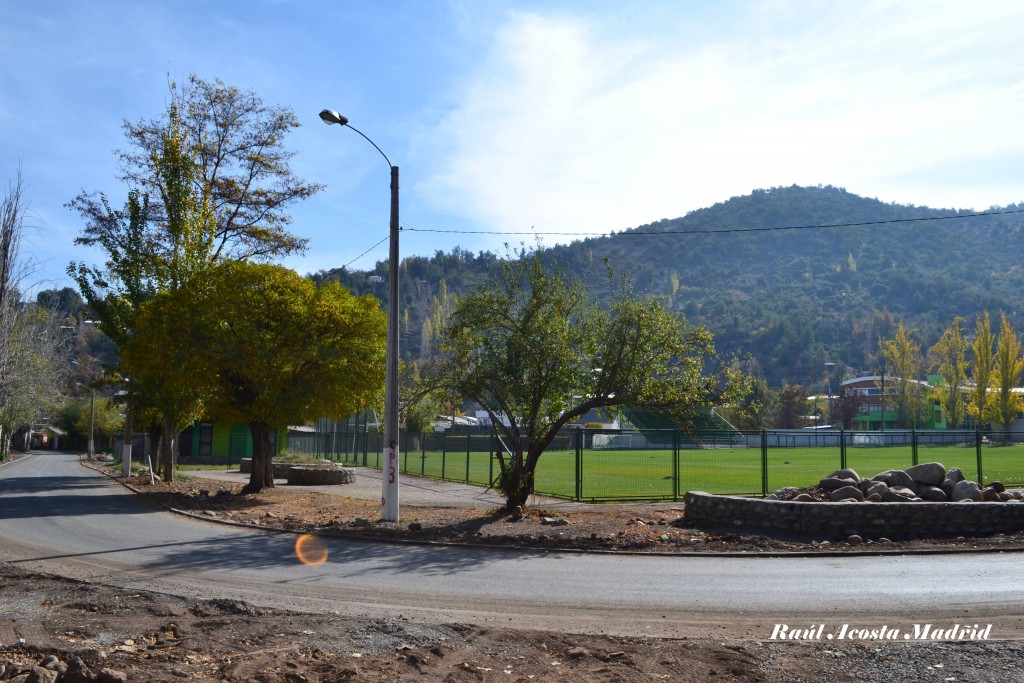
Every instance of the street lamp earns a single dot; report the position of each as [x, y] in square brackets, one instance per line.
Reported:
[389, 485]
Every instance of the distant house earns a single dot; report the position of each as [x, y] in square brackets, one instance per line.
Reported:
[208, 439]
[878, 407]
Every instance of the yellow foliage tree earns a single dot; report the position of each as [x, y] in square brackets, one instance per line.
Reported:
[982, 371]
[267, 348]
[1008, 366]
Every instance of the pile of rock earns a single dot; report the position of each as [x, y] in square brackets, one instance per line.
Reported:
[929, 482]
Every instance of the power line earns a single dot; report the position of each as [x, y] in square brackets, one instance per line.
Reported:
[635, 233]
[365, 252]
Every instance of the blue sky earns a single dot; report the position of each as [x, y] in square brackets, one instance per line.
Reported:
[569, 117]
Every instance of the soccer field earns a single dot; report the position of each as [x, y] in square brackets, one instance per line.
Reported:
[658, 474]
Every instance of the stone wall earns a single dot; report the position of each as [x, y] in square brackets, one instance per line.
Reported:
[280, 468]
[316, 475]
[839, 520]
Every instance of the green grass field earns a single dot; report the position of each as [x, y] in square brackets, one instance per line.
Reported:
[650, 475]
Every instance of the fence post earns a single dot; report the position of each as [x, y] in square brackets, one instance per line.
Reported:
[490, 458]
[444, 451]
[366, 444]
[842, 448]
[444, 457]
[403, 440]
[579, 464]
[764, 462]
[913, 446]
[977, 448]
[467, 460]
[675, 464]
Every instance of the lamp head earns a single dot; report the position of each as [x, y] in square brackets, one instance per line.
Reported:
[329, 116]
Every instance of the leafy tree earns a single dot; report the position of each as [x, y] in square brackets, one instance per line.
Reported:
[949, 358]
[67, 418]
[846, 407]
[107, 420]
[757, 407]
[535, 353]
[242, 163]
[983, 371]
[904, 359]
[1009, 363]
[141, 262]
[64, 303]
[127, 279]
[418, 406]
[791, 407]
[268, 348]
[166, 384]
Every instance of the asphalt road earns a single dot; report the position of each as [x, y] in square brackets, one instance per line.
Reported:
[60, 517]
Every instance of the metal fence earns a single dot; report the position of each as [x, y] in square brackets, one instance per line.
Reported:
[597, 465]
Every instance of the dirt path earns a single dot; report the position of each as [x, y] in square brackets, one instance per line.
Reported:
[147, 637]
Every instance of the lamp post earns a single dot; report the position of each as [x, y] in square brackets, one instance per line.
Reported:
[883, 399]
[389, 485]
[828, 374]
[92, 409]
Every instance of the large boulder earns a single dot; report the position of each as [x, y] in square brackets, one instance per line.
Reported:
[930, 473]
[896, 478]
[932, 494]
[846, 493]
[953, 477]
[877, 488]
[899, 494]
[846, 473]
[966, 490]
[833, 483]
[786, 492]
[990, 495]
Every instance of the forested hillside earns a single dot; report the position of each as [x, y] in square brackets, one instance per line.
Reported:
[790, 298]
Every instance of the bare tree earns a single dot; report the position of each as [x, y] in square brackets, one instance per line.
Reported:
[32, 352]
[241, 162]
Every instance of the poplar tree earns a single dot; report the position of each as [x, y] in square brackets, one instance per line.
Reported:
[904, 359]
[982, 371]
[1008, 366]
[949, 358]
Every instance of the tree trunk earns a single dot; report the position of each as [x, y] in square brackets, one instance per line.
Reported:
[155, 432]
[516, 479]
[262, 475]
[167, 449]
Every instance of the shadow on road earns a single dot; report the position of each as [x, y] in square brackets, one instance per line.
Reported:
[24, 497]
[263, 551]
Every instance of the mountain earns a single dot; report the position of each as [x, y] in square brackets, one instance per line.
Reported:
[761, 273]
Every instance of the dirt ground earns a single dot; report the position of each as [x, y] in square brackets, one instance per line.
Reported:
[99, 633]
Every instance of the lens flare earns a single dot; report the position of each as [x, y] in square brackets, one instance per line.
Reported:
[310, 550]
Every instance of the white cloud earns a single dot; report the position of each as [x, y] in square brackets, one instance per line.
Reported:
[571, 124]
